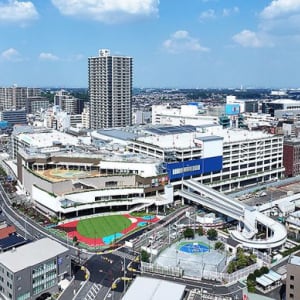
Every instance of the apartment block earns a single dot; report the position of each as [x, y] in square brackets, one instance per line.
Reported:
[33, 269]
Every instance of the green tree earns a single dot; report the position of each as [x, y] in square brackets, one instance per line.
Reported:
[200, 231]
[251, 277]
[212, 234]
[264, 270]
[257, 273]
[252, 258]
[75, 240]
[242, 262]
[219, 246]
[231, 267]
[145, 256]
[188, 233]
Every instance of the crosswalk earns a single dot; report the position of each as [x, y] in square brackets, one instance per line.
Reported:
[124, 255]
[93, 291]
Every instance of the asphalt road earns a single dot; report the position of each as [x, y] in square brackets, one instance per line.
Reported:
[104, 269]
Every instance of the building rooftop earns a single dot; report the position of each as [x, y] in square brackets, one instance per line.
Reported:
[118, 134]
[166, 130]
[210, 138]
[286, 101]
[31, 254]
[46, 139]
[154, 289]
[295, 259]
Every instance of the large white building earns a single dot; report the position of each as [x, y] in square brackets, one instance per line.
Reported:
[110, 90]
[136, 165]
[190, 114]
[238, 157]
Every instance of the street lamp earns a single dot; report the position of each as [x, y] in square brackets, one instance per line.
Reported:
[124, 273]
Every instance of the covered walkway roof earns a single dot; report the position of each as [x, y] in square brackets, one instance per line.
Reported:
[154, 289]
[268, 279]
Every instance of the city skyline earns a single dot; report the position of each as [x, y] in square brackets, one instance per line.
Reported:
[202, 44]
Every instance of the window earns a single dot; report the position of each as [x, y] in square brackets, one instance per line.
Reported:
[291, 296]
[292, 277]
[291, 286]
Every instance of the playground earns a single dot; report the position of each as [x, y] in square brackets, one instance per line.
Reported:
[193, 256]
[60, 174]
[104, 230]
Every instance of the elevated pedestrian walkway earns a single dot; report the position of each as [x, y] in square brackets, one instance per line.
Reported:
[247, 216]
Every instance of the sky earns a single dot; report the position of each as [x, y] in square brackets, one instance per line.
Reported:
[174, 43]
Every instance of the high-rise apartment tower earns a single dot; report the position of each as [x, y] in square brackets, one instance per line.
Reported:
[110, 90]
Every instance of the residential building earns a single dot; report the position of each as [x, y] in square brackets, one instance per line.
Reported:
[291, 157]
[14, 117]
[293, 277]
[75, 120]
[57, 119]
[85, 117]
[15, 97]
[68, 103]
[110, 90]
[33, 269]
[36, 104]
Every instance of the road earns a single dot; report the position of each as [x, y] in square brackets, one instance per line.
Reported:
[105, 269]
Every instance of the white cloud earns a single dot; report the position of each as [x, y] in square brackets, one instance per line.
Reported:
[181, 41]
[48, 56]
[108, 11]
[10, 54]
[77, 57]
[17, 12]
[208, 14]
[230, 11]
[251, 39]
[278, 8]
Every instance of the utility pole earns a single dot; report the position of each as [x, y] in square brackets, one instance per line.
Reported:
[195, 222]
[124, 273]
[25, 227]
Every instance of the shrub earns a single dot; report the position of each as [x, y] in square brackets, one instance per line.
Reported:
[145, 256]
[188, 233]
[219, 245]
[212, 234]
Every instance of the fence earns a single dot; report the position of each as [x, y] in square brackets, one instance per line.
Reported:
[206, 274]
[201, 294]
[164, 270]
[263, 256]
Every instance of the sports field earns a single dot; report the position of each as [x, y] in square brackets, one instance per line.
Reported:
[102, 226]
[105, 230]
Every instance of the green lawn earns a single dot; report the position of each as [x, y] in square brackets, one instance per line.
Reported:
[102, 226]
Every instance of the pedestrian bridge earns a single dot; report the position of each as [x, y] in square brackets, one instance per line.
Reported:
[248, 216]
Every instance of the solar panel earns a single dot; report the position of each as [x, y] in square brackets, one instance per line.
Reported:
[172, 129]
[11, 241]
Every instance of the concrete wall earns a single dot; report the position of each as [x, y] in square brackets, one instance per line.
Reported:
[31, 179]
[99, 182]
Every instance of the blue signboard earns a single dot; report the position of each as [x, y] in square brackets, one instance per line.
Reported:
[232, 109]
[194, 167]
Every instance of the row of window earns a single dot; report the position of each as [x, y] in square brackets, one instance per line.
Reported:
[186, 169]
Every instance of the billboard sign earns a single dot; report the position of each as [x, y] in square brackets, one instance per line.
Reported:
[194, 167]
[232, 109]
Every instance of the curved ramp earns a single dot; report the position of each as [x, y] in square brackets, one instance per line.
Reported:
[249, 216]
